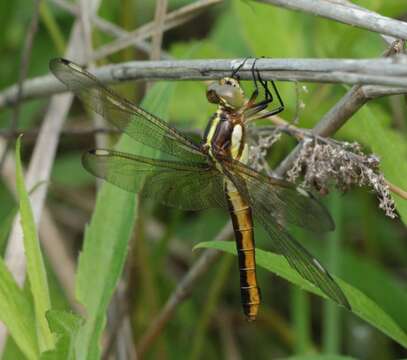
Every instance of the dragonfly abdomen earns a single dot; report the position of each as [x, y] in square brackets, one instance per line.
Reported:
[242, 220]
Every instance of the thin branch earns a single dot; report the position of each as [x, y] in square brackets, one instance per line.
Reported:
[159, 20]
[106, 26]
[348, 14]
[173, 19]
[24, 63]
[390, 72]
[84, 18]
[182, 291]
[396, 190]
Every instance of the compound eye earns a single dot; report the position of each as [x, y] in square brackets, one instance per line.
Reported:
[212, 96]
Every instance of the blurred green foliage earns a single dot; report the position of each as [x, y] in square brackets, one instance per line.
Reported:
[372, 253]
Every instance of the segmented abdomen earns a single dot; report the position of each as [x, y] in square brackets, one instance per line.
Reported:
[241, 215]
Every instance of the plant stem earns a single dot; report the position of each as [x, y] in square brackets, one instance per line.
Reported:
[331, 325]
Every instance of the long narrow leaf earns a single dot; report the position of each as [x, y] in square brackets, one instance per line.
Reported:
[35, 264]
[106, 244]
[66, 326]
[361, 305]
[17, 313]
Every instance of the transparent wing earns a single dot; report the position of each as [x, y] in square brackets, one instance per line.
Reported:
[298, 257]
[282, 243]
[184, 185]
[282, 200]
[123, 114]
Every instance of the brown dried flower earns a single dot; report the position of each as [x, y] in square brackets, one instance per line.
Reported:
[325, 163]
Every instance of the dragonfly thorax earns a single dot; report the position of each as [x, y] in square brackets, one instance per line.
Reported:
[225, 136]
[225, 132]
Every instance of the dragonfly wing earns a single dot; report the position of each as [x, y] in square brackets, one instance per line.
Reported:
[123, 114]
[184, 185]
[284, 201]
[281, 241]
[298, 257]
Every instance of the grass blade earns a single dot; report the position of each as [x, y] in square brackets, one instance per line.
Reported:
[17, 314]
[35, 263]
[361, 305]
[66, 326]
[106, 242]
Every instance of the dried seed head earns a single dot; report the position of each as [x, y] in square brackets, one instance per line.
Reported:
[259, 145]
[325, 163]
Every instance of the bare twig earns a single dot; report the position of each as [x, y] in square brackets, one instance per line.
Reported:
[182, 291]
[24, 63]
[348, 14]
[159, 20]
[390, 72]
[396, 190]
[84, 17]
[173, 19]
[106, 26]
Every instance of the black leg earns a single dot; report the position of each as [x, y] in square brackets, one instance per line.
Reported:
[262, 105]
[268, 97]
[235, 71]
[271, 113]
[257, 107]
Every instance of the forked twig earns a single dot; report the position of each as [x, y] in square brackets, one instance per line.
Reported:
[173, 19]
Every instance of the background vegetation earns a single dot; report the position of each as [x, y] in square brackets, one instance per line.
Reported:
[153, 244]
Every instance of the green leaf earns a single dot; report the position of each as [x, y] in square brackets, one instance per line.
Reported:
[372, 279]
[66, 326]
[361, 305]
[35, 264]
[17, 314]
[106, 241]
[5, 227]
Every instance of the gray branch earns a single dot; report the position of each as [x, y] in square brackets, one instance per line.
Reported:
[347, 13]
[390, 72]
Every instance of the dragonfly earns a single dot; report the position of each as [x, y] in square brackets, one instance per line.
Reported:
[213, 173]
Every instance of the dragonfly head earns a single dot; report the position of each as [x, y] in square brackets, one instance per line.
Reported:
[226, 92]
